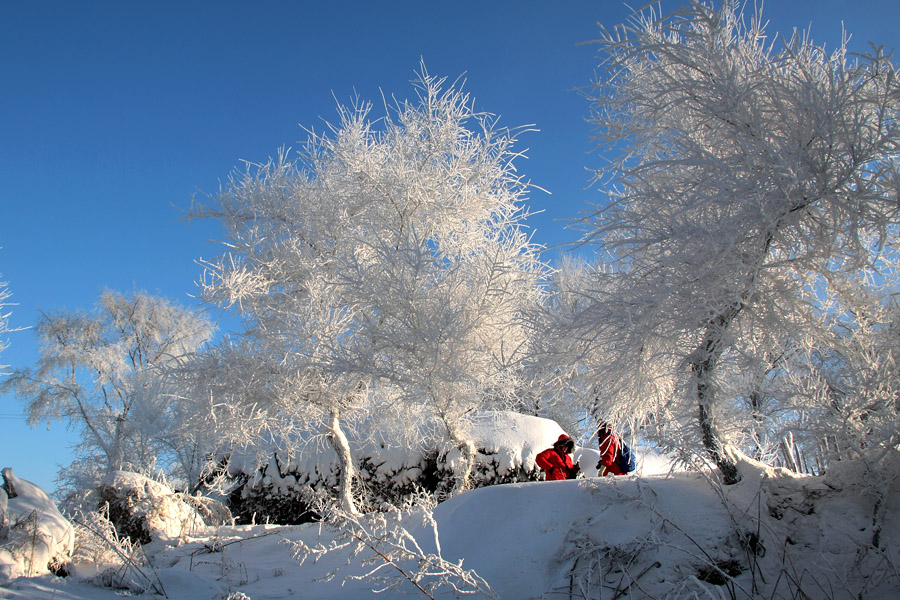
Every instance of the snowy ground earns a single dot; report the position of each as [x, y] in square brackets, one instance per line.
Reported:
[650, 536]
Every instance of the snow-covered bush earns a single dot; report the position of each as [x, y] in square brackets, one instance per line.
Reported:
[144, 509]
[34, 537]
[278, 489]
[506, 445]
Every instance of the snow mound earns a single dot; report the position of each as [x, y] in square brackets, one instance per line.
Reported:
[34, 536]
[677, 536]
[512, 439]
[582, 534]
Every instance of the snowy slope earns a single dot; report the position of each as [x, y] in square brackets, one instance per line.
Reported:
[653, 536]
[658, 534]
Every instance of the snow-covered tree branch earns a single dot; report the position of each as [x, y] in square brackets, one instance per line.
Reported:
[4, 320]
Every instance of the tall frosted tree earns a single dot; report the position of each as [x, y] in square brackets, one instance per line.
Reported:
[107, 374]
[745, 173]
[387, 254]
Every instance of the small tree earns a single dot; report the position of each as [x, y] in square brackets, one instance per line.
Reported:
[386, 255]
[747, 174]
[106, 373]
[4, 318]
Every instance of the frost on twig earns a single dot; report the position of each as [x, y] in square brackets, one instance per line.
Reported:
[391, 555]
[98, 543]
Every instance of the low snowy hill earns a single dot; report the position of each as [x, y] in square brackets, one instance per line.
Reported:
[653, 536]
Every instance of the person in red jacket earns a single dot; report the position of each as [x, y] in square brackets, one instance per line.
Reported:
[557, 461]
[608, 443]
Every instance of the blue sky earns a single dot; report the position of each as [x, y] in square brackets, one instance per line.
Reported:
[114, 114]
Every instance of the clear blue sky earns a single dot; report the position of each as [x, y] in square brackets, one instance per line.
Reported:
[113, 114]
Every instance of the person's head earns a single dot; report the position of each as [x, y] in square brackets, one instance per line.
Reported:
[564, 444]
[605, 428]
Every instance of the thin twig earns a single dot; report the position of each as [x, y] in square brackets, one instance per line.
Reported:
[391, 563]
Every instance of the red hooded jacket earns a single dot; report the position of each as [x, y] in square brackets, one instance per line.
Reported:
[609, 452]
[557, 463]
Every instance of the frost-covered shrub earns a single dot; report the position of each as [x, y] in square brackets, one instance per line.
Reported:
[269, 493]
[144, 509]
[98, 544]
[278, 490]
[34, 537]
[282, 490]
[108, 560]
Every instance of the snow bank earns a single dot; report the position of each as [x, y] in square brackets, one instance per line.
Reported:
[34, 536]
[675, 537]
[586, 533]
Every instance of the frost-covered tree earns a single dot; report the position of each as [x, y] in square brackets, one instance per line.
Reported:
[846, 378]
[4, 318]
[748, 173]
[386, 256]
[106, 373]
[561, 382]
[445, 298]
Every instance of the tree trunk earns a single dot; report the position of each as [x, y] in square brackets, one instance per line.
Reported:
[878, 515]
[467, 452]
[787, 453]
[116, 452]
[703, 362]
[345, 459]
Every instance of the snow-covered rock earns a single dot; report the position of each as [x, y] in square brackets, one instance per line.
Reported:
[34, 537]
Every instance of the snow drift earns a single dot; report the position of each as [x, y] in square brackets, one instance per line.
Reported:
[34, 536]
